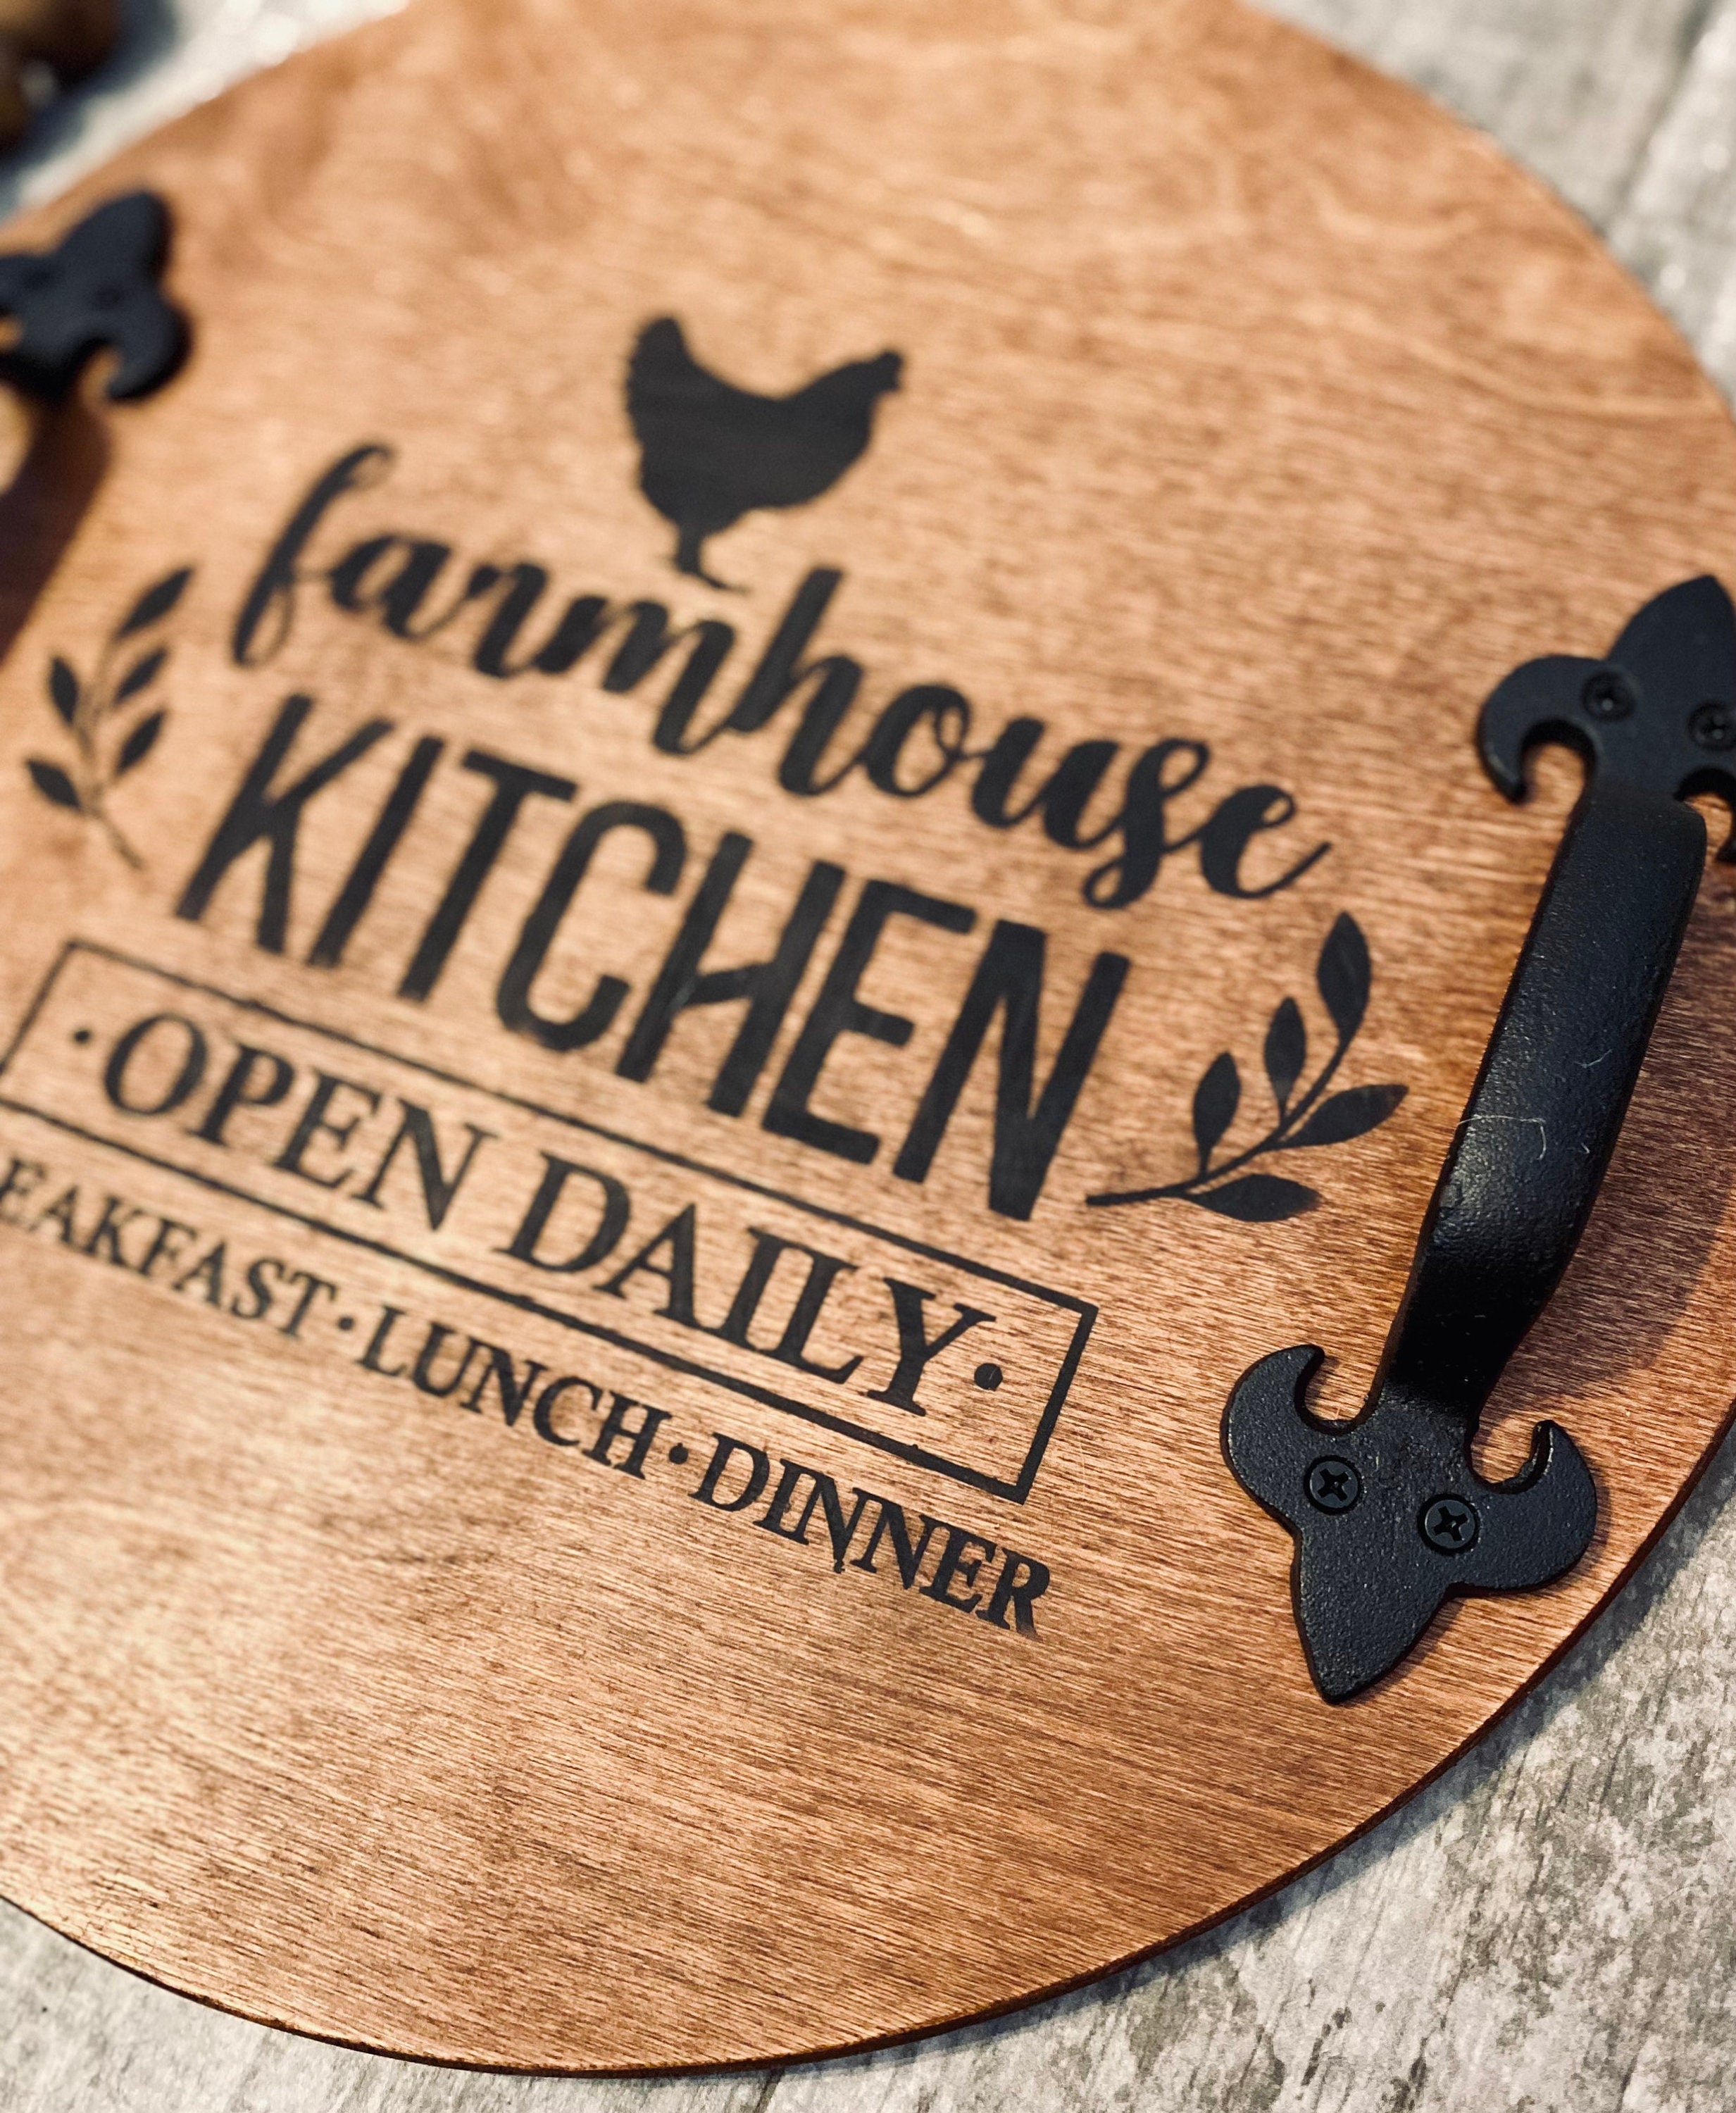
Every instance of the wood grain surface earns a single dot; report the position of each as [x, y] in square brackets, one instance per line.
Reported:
[1242, 2054]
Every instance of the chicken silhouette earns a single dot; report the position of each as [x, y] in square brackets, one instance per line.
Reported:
[709, 452]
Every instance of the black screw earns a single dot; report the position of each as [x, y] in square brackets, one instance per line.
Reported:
[1450, 1525]
[1713, 725]
[988, 1376]
[1332, 1485]
[1607, 695]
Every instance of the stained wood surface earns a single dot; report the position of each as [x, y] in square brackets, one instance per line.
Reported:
[1252, 2015]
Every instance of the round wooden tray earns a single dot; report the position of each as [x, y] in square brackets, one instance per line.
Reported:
[588, 1480]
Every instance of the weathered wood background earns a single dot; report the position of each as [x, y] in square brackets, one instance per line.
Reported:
[1548, 1927]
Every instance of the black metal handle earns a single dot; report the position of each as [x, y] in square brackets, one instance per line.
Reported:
[96, 287]
[1543, 1117]
[1389, 1517]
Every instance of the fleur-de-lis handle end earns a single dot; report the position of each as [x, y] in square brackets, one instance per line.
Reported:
[98, 288]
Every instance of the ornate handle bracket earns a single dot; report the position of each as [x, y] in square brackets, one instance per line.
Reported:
[96, 289]
[1388, 1515]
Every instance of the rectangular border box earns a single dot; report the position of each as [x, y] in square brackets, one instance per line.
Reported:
[1015, 1491]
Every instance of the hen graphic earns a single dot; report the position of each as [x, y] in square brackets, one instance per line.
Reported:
[709, 452]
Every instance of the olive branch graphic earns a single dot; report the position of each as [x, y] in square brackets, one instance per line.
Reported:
[1306, 1121]
[86, 708]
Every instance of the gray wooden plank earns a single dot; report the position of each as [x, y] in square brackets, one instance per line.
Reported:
[1546, 1930]
[78, 2035]
[1677, 226]
[174, 53]
[1574, 88]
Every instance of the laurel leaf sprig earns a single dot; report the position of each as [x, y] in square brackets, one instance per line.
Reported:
[1305, 1121]
[111, 735]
